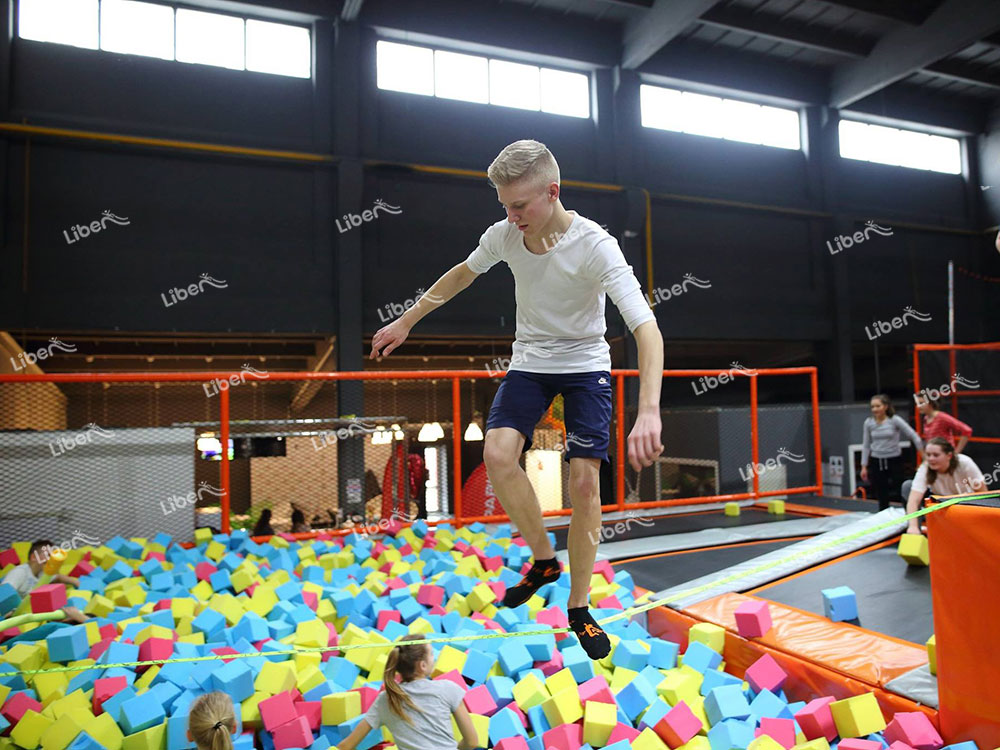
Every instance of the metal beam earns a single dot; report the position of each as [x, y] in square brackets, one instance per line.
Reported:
[953, 26]
[800, 34]
[913, 12]
[647, 34]
[351, 9]
[963, 73]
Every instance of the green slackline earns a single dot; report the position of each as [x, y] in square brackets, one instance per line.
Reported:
[630, 612]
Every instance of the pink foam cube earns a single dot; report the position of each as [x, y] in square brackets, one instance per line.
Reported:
[153, 555]
[394, 583]
[520, 714]
[392, 527]
[9, 557]
[899, 745]
[563, 737]
[368, 696]
[753, 618]
[816, 719]
[312, 711]
[856, 743]
[16, 705]
[596, 689]
[152, 649]
[604, 568]
[498, 587]
[104, 688]
[48, 598]
[554, 617]
[765, 674]
[479, 700]
[378, 549]
[678, 725]
[430, 595]
[610, 602]
[405, 550]
[276, 710]
[204, 570]
[294, 733]
[551, 666]
[915, 729]
[220, 651]
[454, 676]
[517, 742]
[311, 598]
[437, 609]
[622, 732]
[99, 648]
[82, 568]
[782, 731]
[493, 563]
[332, 638]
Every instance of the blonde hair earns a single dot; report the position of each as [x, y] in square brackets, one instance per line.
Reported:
[403, 661]
[210, 721]
[523, 160]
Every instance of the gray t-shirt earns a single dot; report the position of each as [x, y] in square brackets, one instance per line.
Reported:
[431, 727]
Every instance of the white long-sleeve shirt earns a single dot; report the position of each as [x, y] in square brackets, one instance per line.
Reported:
[560, 295]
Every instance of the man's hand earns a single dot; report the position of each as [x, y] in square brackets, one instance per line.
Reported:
[644, 441]
[864, 473]
[388, 338]
[74, 615]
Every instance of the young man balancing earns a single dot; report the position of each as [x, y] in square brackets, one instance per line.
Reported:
[563, 266]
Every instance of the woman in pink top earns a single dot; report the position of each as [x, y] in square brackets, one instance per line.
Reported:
[940, 424]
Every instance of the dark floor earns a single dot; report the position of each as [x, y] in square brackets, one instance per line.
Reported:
[837, 503]
[658, 573]
[893, 598]
[644, 526]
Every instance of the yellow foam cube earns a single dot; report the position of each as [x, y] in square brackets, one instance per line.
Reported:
[142, 683]
[196, 638]
[275, 677]
[561, 680]
[819, 743]
[202, 590]
[732, 509]
[776, 507]
[62, 732]
[914, 549]
[97, 605]
[563, 708]
[598, 721]
[457, 603]
[106, 731]
[697, 706]
[421, 626]
[648, 740]
[182, 608]
[29, 730]
[250, 710]
[309, 678]
[482, 726]
[72, 704]
[25, 656]
[312, 634]
[711, 635]
[51, 686]
[698, 742]
[765, 742]
[325, 610]
[153, 631]
[154, 738]
[377, 671]
[932, 654]
[857, 716]
[93, 632]
[306, 660]
[449, 659]
[530, 691]
[679, 685]
[203, 534]
[622, 677]
[480, 596]
[340, 707]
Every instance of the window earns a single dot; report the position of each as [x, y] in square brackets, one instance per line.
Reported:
[714, 117]
[901, 148]
[62, 21]
[136, 27]
[471, 78]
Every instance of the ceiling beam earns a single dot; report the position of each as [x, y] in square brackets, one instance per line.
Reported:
[963, 73]
[953, 26]
[906, 11]
[800, 34]
[647, 34]
[351, 10]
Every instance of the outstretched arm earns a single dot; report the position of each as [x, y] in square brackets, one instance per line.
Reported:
[644, 443]
[354, 738]
[391, 336]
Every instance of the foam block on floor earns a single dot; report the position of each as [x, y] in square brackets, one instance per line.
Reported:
[9, 598]
[915, 729]
[816, 719]
[599, 719]
[776, 507]
[840, 603]
[711, 635]
[857, 716]
[732, 509]
[753, 618]
[932, 655]
[765, 674]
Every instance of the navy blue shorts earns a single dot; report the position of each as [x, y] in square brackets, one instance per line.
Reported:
[523, 397]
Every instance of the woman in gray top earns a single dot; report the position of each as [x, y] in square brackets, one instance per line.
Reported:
[883, 432]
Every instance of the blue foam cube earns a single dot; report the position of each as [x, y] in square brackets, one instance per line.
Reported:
[631, 655]
[840, 604]
[68, 644]
[9, 598]
[539, 723]
[636, 697]
[235, 679]
[768, 705]
[730, 735]
[514, 657]
[505, 723]
[701, 657]
[502, 690]
[575, 659]
[726, 702]
[141, 712]
[714, 678]
[478, 665]
[663, 654]
[84, 741]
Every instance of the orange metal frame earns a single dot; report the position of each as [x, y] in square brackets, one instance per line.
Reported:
[456, 376]
[952, 349]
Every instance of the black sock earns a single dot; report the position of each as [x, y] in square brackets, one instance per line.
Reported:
[540, 573]
[591, 635]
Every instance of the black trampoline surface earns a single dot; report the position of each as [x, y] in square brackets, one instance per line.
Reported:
[893, 598]
[679, 524]
[836, 503]
[658, 573]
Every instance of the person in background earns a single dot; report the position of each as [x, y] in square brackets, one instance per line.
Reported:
[25, 576]
[881, 454]
[212, 722]
[299, 525]
[941, 424]
[943, 472]
[263, 526]
[416, 709]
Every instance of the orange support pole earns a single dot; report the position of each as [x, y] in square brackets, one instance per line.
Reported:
[620, 442]
[456, 443]
[754, 435]
[224, 466]
[817, 445]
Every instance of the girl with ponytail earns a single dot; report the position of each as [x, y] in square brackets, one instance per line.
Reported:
[417, 710]
[212, 721]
